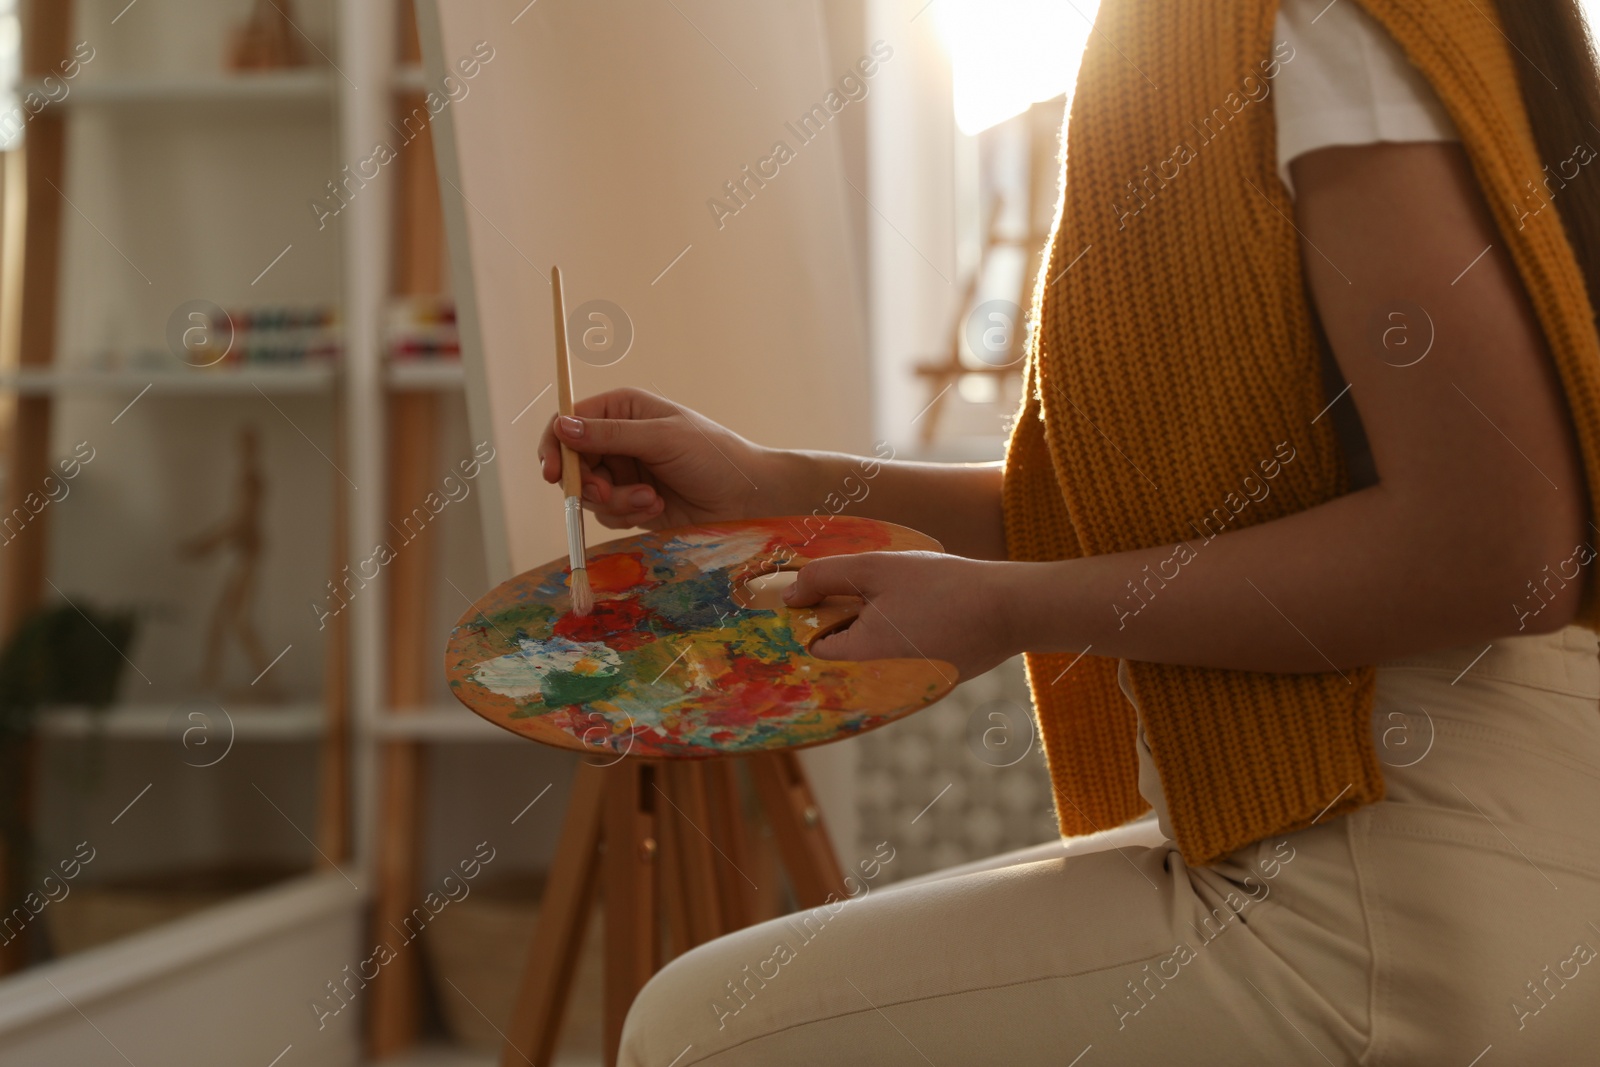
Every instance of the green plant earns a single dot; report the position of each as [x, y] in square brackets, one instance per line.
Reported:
[58, 655]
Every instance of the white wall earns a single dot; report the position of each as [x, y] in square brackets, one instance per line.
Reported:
[913, 279]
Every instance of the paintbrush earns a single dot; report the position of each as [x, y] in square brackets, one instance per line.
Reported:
[571, 471]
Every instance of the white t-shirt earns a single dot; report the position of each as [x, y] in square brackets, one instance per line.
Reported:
[1349, 83]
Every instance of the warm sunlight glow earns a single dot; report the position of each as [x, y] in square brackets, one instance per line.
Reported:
[10, 63]
[1591, 11]
[1008, 54]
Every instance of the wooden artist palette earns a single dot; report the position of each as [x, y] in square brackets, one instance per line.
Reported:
[679, 659]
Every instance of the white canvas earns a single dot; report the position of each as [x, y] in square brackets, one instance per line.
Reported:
[598, 137]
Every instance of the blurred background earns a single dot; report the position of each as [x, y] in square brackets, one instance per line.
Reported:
[231, 363]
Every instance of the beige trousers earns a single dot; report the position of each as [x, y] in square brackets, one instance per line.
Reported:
[1456, 922]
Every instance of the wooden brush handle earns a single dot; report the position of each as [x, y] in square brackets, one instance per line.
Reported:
[571, 472]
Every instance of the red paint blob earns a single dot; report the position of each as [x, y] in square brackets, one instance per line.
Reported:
[619, 624]
[750, 669]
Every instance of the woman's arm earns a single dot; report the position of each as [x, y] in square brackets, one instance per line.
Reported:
[652, 463]
[1480, 487]
[957, 504]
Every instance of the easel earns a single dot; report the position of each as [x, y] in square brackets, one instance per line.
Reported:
[665, 845]
[941, 373]
[415, 419]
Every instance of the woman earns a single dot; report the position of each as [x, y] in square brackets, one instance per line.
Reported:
[1315, 385]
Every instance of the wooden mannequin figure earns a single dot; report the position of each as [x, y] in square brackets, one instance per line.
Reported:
[268, 39]
[240, 532]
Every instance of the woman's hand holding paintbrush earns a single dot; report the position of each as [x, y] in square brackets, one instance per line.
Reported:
[650, 462]
[647, 462]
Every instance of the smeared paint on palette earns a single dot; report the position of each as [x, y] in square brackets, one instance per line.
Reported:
[669, 664]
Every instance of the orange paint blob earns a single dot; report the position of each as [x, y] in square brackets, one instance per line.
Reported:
[617, 572]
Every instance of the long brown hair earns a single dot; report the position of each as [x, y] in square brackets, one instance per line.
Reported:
[1561, 89]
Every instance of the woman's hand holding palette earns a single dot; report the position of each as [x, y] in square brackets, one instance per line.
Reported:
[678, 658]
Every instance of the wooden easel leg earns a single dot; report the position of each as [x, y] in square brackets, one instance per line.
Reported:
[558, 936]
[765, 868]
[796, 820]
[630, 891]
[684, 785]
[638, 809]
[674, 895]
[392, 1011]
[729, 829]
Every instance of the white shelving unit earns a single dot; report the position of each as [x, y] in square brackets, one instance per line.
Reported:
[409, 77]
[233, 157]
[311, 378]
[154, 146]
[442, 724]
[285, 722]
[274, 89]
[438, 374]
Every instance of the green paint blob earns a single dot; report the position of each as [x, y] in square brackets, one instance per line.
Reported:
[563, 688]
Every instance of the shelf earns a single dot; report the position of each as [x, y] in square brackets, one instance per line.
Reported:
[309, 378]
[419, 374]
[278, 87]
[410, 78]
[440, 724]
[276, 722]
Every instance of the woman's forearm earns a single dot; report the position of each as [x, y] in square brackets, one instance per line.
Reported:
[1358, 580]
[957, 504]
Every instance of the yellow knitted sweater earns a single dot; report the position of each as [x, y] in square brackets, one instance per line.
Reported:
[1175, 356]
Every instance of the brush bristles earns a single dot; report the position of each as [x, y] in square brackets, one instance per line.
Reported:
[582, 595]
